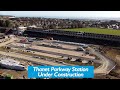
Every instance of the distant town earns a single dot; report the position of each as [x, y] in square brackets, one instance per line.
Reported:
[54, 23]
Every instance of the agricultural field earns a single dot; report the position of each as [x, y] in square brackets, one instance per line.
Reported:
[95, 30]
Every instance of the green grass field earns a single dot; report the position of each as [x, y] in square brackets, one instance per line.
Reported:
[95, 30]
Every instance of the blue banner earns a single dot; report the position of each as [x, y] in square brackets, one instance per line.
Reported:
[60, 71]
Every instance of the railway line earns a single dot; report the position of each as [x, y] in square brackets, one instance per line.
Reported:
[77, 34]
[67, 36]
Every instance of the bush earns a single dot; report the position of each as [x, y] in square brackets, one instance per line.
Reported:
[8, 76]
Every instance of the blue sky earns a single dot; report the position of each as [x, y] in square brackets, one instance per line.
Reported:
[65, 14]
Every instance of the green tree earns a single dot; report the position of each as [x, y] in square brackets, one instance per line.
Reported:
[8, 23]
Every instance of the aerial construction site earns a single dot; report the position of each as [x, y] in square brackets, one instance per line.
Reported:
[47, 46]
[44, 51]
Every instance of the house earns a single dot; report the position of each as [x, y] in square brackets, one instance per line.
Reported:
[114, 26]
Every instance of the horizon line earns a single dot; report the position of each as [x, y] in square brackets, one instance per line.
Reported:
[82, 17]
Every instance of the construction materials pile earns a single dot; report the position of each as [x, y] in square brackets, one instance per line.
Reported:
[11, 64]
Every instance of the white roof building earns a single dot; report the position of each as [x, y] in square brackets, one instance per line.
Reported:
[85, 61]
[12, 17]
[22, 28]
[11, 64]
[33, 26]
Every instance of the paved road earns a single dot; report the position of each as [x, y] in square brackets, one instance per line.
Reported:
[107, 64]
[63, 42]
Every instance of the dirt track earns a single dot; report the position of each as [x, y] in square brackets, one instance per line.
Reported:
[68, 52]
[107, 65]
[28, 58]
